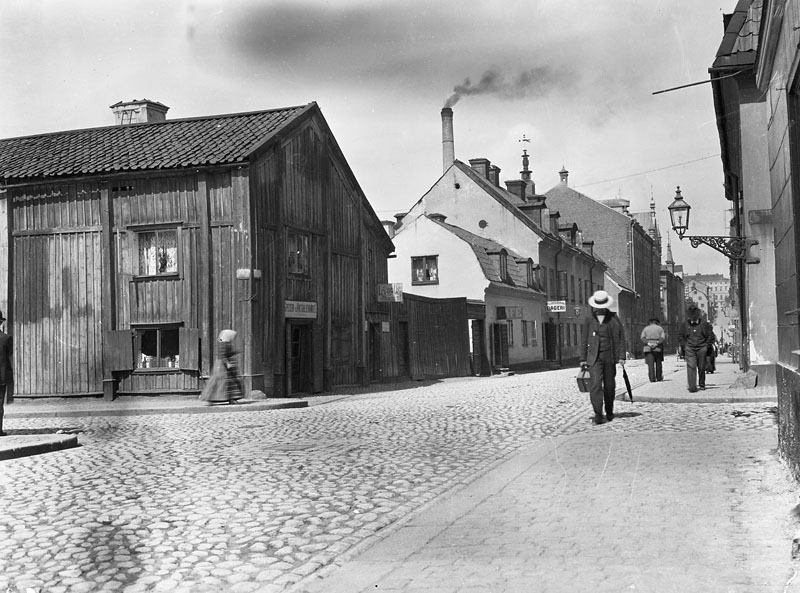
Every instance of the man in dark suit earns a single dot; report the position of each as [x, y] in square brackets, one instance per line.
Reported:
[602, 346]
[694, 338]
[6, 373]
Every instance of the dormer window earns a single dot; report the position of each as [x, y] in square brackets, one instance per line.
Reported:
[536, 272]
[504, 266]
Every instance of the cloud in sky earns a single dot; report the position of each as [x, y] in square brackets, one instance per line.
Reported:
[575, 77]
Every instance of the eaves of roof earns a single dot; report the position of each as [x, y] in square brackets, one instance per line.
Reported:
[740, 40]
[619, 281]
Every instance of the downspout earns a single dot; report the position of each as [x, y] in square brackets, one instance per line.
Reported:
[558, 296]
[744, 338]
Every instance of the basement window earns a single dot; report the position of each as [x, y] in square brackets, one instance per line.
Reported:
[157, 347]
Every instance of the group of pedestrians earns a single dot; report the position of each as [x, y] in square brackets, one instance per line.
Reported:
[603, 346]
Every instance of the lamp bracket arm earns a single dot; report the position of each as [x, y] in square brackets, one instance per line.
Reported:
[730, 247]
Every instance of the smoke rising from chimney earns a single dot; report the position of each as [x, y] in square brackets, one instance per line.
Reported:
[536, 81]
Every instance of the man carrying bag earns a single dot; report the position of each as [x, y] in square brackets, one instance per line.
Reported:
[603, 345]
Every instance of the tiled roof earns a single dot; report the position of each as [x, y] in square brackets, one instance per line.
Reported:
[740, 41]
[171, 144]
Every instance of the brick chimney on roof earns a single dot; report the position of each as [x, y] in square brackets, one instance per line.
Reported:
[448, 143]
[481, 166]
[139, 112]
[494, 175]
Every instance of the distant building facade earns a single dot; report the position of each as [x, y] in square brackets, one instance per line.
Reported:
[468, 207]
[628, 249]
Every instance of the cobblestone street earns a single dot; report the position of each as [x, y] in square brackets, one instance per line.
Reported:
[263, 500]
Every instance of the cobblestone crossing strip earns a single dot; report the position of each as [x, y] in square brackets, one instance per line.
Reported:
[260, 501]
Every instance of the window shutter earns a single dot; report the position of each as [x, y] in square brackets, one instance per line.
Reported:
[190, 348]
[118, 350]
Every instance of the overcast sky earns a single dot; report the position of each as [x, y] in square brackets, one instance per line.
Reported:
[575, 77]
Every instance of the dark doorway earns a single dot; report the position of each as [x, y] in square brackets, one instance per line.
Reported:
[404, 355]
[375, 351]
[480, 362]
[500, 339]
[550, 341]
[299, 335]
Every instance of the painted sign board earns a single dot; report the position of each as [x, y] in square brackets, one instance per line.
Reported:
[390, 293]
[556, 306]
[300, 309]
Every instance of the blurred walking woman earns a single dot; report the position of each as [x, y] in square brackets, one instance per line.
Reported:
[224, 385]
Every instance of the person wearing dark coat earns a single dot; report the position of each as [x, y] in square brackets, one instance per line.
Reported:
[6, 372]
[711, 354]
[603, 344]
[653, 337]
[694, 338]
[224, 385]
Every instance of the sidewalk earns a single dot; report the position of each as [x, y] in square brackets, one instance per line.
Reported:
[721, 386]
[603, 511]
[25, 442]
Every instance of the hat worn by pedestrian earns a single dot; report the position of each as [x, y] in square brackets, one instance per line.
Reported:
[227, 335]
[2, 317]
[693, 312]
[601, 300]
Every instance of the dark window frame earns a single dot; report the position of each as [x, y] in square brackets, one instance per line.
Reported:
[141, 363]
[425, 268]
[298, 253]
[157, 230]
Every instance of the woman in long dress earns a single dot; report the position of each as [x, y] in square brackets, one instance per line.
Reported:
[224, 384]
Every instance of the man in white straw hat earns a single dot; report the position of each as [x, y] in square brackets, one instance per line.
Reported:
[603, 345]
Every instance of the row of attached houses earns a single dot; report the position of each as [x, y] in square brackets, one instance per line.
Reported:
[755, 78]
[503, 247]
[629, 243]
[532, 259]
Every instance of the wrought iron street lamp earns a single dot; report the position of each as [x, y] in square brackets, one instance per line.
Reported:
[730, 246]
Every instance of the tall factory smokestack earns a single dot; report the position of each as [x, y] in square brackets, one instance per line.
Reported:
[448, 147]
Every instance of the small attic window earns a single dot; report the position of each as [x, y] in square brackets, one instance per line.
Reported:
[504, 266]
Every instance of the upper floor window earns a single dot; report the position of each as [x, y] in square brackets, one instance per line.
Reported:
[298, 250]
[158, 252]
[425, 269]
[504, 266]
[533, 274]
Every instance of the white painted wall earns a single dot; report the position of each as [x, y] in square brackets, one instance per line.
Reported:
[468, 205]
[760, 277]
[460, 274]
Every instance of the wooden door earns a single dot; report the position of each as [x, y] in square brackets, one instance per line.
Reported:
[299, 358]
[500, 345]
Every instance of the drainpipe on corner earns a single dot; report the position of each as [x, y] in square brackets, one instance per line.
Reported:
[558, 295]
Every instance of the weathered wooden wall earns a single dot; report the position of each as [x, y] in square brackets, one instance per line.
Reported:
[57, 290]
[74, 248]
[438, 338]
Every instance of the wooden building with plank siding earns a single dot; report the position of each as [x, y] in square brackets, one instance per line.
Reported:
[128, 248]
[425, 338]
